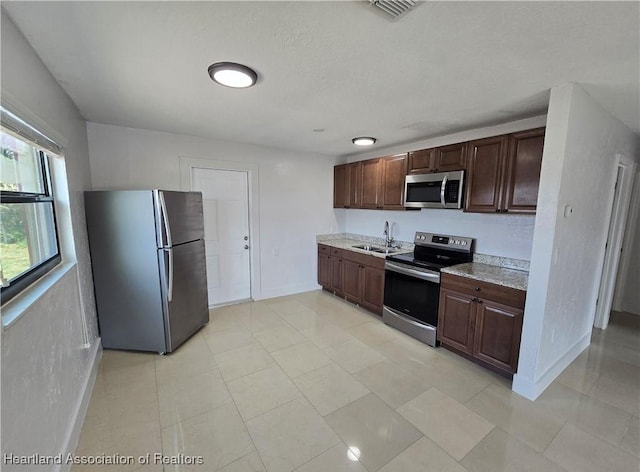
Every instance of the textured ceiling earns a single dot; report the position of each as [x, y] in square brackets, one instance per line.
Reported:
[337, 66]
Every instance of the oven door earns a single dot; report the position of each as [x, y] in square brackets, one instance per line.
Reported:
[412, 292]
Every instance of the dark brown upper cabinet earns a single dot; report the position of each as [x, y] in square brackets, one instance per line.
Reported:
[522, 174]
[485, 168]
[371, 190]
[376, 184]
[421, 162]
[341, 186]
[503, 173]
[355, 184]
[394, 170]
[448, 158]
[440, 159]
[347, 179]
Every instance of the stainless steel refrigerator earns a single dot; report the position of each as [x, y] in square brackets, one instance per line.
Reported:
[149, 268]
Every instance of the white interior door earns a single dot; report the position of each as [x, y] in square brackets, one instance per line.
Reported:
[226, 233]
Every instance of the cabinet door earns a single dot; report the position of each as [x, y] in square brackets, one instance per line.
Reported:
[522, 177]
[370, 195]
[485, 166]
[420, 162]
[351, 281]
[336, 275]
[448, 158]
[456, 317]
[355, 184]
[324, 270]
[372, 288]
[497, 334]
[394, 170]
[340, 186]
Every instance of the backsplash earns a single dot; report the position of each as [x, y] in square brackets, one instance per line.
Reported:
[506, 262]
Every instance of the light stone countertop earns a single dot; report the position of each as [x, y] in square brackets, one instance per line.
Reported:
[512, 278]
[347, 243]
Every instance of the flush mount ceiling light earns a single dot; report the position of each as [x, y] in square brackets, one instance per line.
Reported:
[364, 141]
[232, 75]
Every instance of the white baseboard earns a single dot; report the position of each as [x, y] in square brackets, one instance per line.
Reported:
[81, 410]
[532, 389]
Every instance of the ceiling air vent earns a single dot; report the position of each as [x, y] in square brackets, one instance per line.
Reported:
[394, 8]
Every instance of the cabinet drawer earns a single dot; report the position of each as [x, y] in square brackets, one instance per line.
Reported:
[324, 249]
[498, 293]
[364, 259]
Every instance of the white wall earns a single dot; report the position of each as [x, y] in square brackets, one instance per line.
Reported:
[582, 146]
[295, 193]
[627, 293]
[498, 235]
[45, 365]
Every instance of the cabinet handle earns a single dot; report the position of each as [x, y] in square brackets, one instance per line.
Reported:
[505, 210]
[478, 300]
[477, 289]
[497, 210]
[474, 299]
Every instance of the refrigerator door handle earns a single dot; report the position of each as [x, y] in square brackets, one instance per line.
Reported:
[165, 221]
[170, 281]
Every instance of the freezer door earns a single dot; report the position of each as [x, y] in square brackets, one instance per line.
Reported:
[179, 217]
[184, 283]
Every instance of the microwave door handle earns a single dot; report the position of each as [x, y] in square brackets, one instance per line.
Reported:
[442, 190]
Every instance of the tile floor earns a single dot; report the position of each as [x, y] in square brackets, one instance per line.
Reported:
[308, 383]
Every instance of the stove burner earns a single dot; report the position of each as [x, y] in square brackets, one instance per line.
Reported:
[433, 252]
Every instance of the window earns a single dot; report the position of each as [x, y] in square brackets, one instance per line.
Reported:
[28, 237]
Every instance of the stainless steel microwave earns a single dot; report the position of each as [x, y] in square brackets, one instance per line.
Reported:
[438, 190]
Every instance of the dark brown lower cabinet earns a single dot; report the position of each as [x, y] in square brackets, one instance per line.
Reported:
[456, 327]
[357, 277]
[372, 288]
[482, 321]
[324, 269]
[497, 334]
[351, 281]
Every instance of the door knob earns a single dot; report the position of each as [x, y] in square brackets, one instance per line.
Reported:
[246, 246]
[246, 238]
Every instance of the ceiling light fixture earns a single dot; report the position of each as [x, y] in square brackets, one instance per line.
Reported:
[232, 75]
[364, 141]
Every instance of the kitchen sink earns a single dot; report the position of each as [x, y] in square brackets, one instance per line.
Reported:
[379, 250]
[368, 247]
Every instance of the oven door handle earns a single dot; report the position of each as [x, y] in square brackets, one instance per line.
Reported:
[428, 276]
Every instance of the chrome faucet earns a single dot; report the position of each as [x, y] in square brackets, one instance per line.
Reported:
[388, 240]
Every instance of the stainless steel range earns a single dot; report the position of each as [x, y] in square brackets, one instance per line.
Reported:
[412, 283]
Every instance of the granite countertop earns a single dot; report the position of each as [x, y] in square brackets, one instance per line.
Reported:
[347, 243]
[512, 278]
